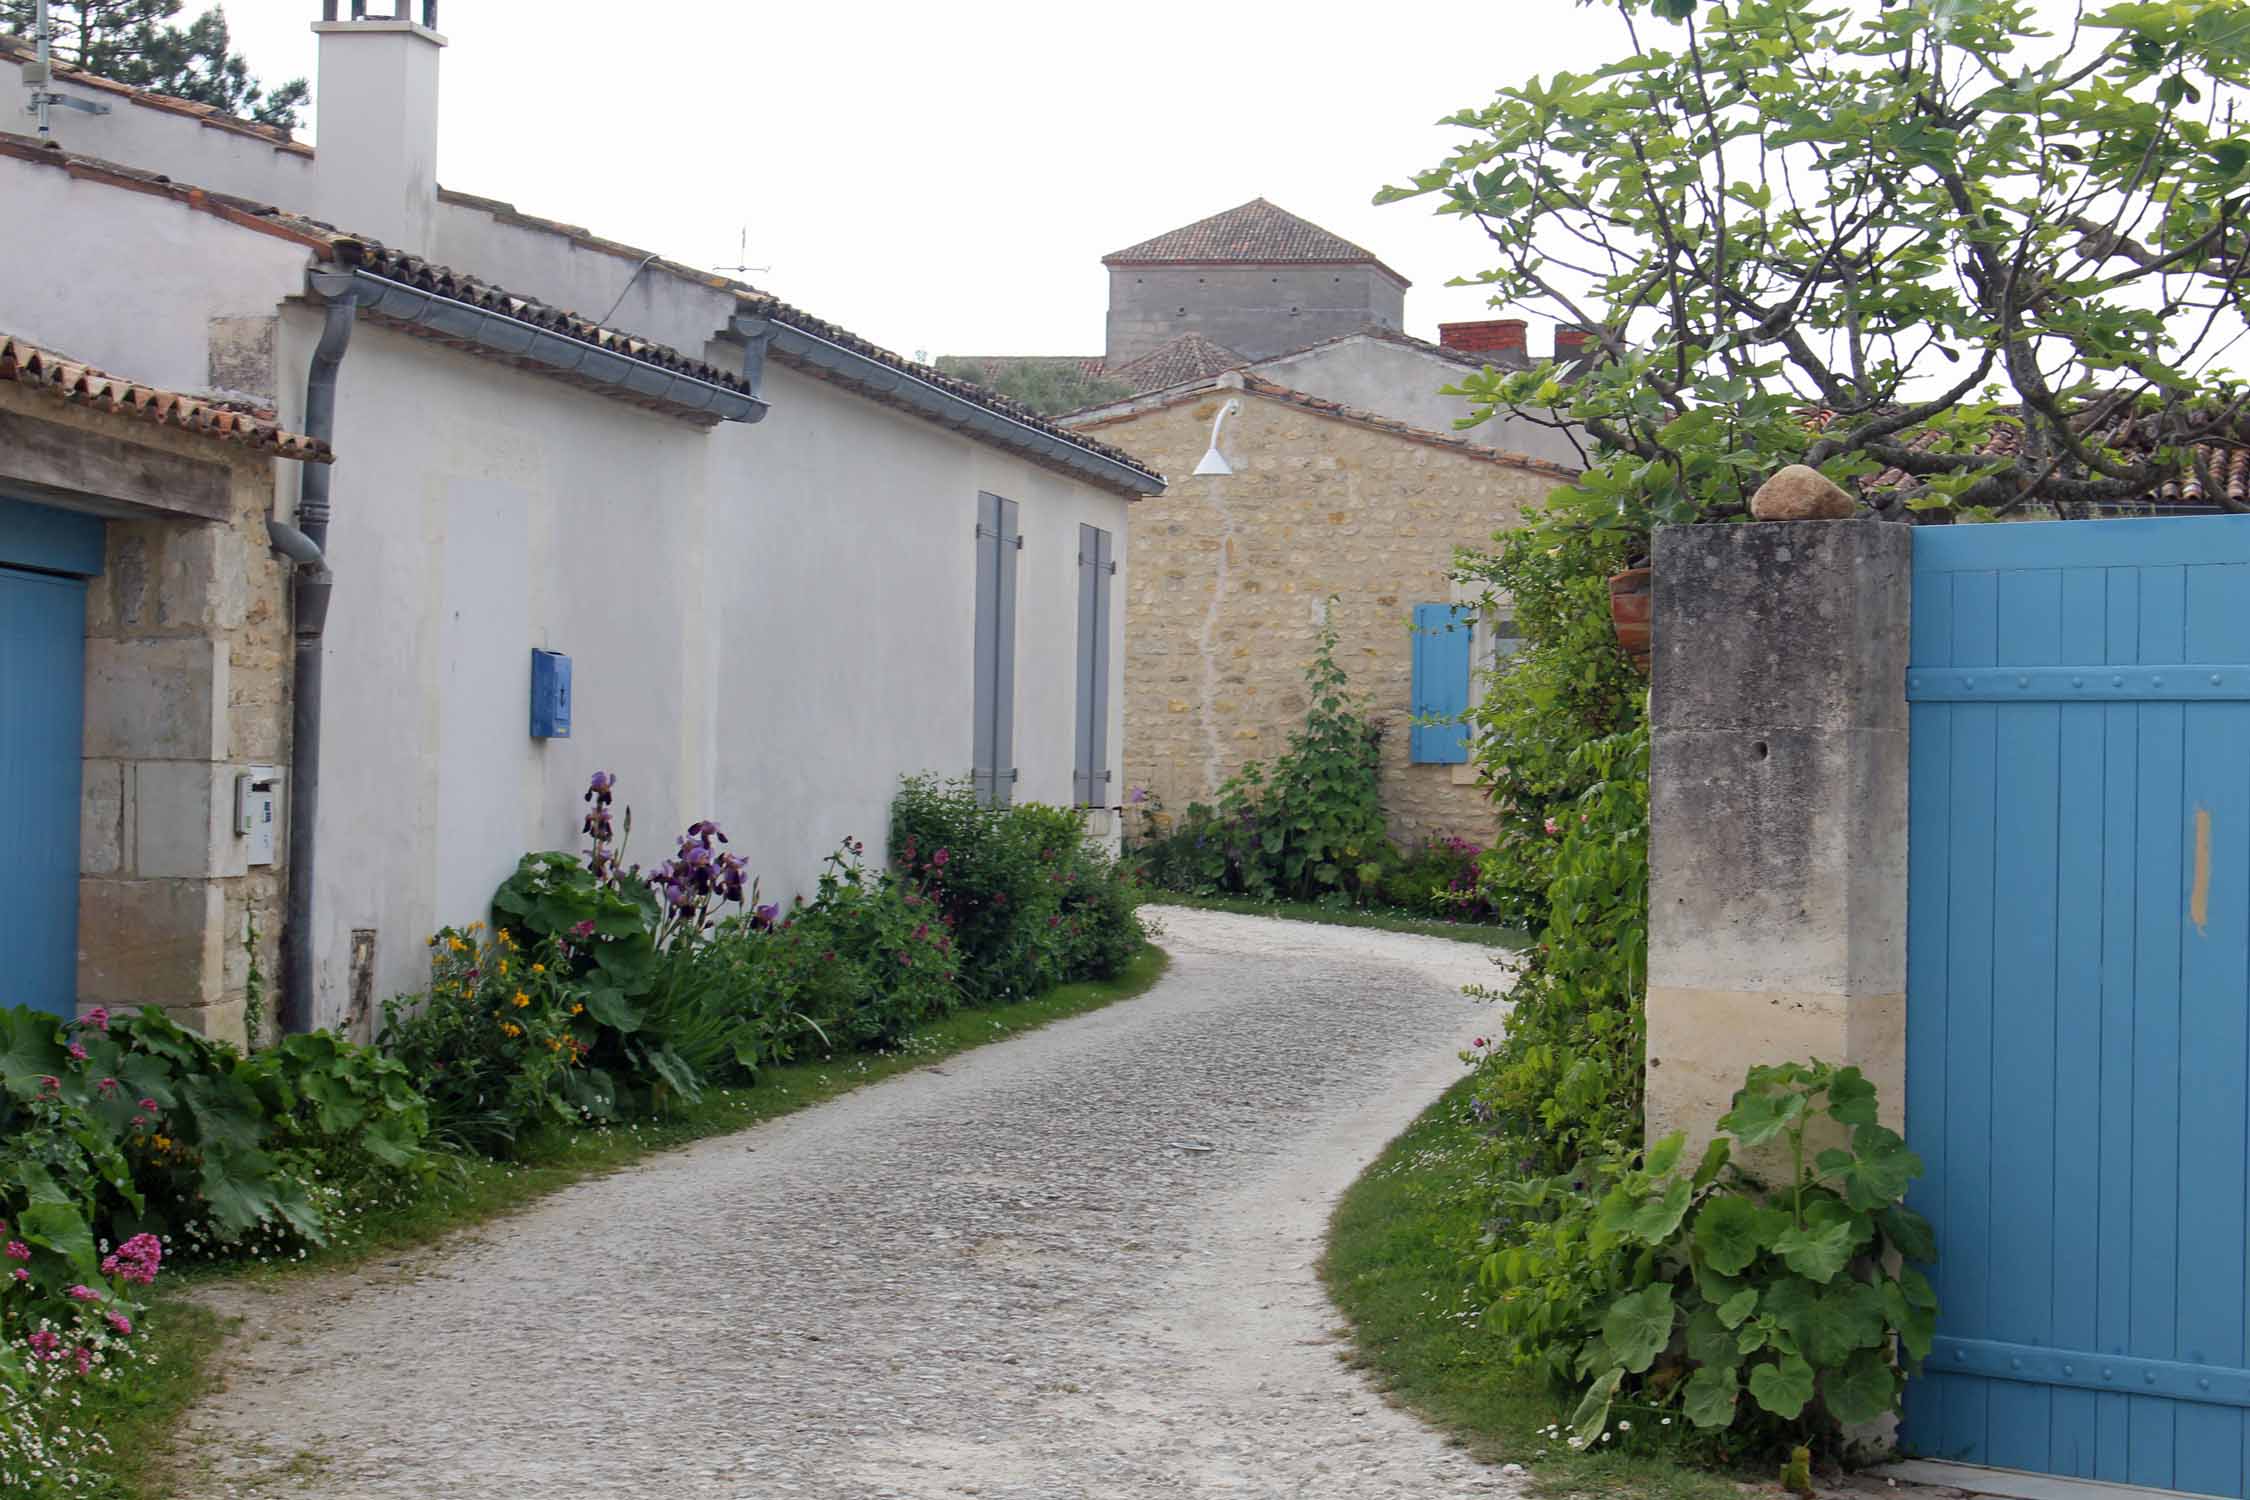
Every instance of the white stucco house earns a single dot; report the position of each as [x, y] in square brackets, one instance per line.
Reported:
[786, 567]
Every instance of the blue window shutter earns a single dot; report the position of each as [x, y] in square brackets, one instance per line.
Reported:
[1441, 684]
[992, 771]
[1096, 567]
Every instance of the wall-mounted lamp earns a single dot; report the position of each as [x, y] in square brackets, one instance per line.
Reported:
[1215, 462]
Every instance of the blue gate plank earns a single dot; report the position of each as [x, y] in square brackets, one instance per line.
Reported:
[2160, 892]
[1966, 1253]
[1929, 812]
[2078, 1026]
[2214, 958]
[2022, 1081]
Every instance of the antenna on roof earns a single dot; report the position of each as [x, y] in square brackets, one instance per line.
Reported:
[39, 76]
[742, 254]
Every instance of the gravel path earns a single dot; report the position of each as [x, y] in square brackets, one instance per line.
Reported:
[1019, 1273]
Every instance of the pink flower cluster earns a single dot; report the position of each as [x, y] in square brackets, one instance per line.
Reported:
[18, 1250]
[136, 1260]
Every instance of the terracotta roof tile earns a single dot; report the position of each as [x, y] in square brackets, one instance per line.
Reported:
[1191, 356]
[764, 305]
[1256, 385]
[2216, 476]
[51, 374]
[1257, 233]
[412, 270]
[16, 49]
[1509, 360]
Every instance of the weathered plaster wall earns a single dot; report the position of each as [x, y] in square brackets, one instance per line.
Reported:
[1230, 576]
[187, 672]
[1397, 381]
[1254, 310]
[1777, 924]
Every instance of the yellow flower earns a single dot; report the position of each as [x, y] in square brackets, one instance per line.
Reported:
[553, 1045]
[538, 968]
[163, 1143]
[503, 966]
[577, 1009]
[458, 946]
[522, 999]
[510, 1028]
[476, 927]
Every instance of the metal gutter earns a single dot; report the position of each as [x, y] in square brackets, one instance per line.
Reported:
[517, 339]
[939, 404]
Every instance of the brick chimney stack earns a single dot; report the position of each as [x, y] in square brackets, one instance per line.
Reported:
[1572, 340]
[1494, 336]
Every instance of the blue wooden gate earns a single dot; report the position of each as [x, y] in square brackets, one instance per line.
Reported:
[44, 555]
[2078, 977]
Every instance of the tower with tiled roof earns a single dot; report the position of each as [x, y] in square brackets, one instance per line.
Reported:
[1256, 280]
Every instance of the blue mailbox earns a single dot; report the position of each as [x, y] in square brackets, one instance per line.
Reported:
[550, 695]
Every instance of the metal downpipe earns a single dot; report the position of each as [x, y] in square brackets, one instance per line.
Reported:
[312, 586]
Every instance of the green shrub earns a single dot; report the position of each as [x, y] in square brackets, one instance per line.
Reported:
[1567, 1076]
[1443, 878]
[1568, 686]
[1030, 901]
[1781, 1312]
[174, 1133]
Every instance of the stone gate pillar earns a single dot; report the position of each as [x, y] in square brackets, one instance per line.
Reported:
[1777, 848]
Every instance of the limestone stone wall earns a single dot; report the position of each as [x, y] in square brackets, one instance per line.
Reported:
[187, 668]
[1229, 578]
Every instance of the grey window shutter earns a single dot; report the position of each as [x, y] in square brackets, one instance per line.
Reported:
[1096, 566]
[992, 772]
[988, 614]
[1004, 661]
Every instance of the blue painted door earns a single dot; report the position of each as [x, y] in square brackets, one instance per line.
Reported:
[2078, 982]
[42, 676]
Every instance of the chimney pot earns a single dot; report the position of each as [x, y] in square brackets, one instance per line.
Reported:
[1491, 336]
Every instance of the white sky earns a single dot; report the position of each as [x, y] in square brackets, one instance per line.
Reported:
[946, 178]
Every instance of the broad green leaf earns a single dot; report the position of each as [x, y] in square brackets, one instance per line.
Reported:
[1851, 1098]
[1714, 1161]
[28, 1050]
[1665, 1154]
[1783, 1386]
[1882, 1168]
[1711, 1395]
[1816, 1253]
[1909, 1233]
[1727, 1232]
[612, 1009]
[1843, 1318]
[1709, 1340]
[238, 1188]
[1739, 1306]
[1916, 1326]
[1639, 1325]
[1862, 1389]
[1657, 1220]
[59, 1227]
[1592, 1416]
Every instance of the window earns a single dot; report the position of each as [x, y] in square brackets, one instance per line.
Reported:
[1096, 568]
[993, 772]
[1442, 640]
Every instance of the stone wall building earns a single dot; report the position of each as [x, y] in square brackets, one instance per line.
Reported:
[134, 568]
[1330, 510]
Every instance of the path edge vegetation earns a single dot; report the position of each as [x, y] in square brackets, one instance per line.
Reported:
[187, 1338]
[1395, 1267]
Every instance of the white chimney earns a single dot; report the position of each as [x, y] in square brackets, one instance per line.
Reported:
[376, 103]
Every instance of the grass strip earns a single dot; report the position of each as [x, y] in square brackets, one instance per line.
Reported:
[1395, 1267]
[139, 1413]
[1386, 919]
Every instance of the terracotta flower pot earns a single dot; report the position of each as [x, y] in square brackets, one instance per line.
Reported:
[1629, 601]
